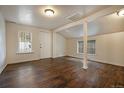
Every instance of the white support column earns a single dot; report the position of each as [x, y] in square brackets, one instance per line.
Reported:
[85, 65]
[53, 44]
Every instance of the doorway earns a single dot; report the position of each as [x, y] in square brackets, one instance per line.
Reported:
[45, 45]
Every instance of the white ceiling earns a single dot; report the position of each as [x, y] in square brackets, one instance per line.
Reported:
[107, 24]
[34, 15]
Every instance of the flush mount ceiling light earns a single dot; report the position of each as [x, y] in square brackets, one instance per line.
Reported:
[121, 12]
[49, 12]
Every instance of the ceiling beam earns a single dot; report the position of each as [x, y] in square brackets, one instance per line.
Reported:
[92, 17]
[104, 12]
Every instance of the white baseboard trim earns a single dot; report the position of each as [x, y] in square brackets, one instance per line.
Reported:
[106, 62]
[100, 61]
[2, 68]
[22, 61]
[58, 56]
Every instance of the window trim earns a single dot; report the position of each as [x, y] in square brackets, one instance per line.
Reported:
[83, 53]
[78, 47]
[25, 52]
[18, 52]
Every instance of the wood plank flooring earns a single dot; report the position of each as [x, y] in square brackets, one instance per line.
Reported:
[63, 72]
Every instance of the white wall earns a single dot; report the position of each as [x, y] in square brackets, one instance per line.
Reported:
[59, 45]
[12, 42]
[2, 44]
[109, 48]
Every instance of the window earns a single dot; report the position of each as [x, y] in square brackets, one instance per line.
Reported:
[80, 46]
[24, 42]
[90, 46]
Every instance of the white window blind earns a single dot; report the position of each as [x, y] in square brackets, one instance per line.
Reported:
[24, 42]
[90, 46]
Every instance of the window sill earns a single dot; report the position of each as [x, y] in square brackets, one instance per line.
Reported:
[87, 54]
[25, 52]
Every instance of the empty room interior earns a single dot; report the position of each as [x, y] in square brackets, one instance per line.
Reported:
[61, 46]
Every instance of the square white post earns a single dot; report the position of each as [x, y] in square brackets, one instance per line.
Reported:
[85, 65]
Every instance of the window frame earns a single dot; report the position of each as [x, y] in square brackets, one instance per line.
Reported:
[87, 49]
[18, 45]
[78, 47]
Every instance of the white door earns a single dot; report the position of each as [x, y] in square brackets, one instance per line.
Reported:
[45, 45]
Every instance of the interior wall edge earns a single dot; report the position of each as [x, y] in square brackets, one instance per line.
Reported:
[2, 68]
[2, 43]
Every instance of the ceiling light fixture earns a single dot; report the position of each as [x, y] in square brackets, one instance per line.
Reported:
[121, 12]
[49, 12]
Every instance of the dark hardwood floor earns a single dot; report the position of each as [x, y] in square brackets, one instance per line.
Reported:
[64, 72]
